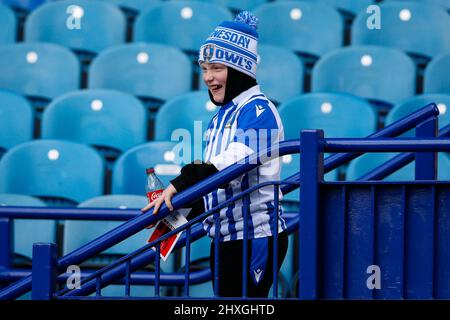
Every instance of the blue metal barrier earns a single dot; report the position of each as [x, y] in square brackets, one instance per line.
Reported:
[357, 217]
[311, 278]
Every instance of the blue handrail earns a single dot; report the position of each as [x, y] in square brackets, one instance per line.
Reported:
[56, 213]
[386, 145]
[397, 162]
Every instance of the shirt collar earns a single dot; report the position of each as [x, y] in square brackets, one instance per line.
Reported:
[243, 96]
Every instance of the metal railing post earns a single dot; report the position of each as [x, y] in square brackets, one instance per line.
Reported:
[44, 271]
[6, 242]
[311, 175]
[419, 245]
[426, 162]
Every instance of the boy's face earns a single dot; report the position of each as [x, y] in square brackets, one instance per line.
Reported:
[215, 77]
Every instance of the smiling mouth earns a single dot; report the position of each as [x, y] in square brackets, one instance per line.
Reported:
[215, 88]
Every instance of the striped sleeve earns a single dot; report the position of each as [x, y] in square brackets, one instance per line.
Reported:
[254, 132]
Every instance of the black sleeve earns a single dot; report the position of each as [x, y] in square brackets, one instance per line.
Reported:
[193, 173]
[198, 207]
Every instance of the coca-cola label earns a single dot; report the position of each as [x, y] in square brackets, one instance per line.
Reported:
[153, 195]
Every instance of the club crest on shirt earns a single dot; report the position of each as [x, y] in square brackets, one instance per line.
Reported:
[208, 52]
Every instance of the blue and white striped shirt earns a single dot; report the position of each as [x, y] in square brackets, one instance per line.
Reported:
[248, 124]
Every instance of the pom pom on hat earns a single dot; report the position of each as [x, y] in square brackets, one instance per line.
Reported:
[247, 18]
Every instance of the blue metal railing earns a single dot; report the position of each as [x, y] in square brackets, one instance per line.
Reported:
[140, 222]
[397, 162]
[395, 129]
[136, 224]
[311, 177]
[151, 256]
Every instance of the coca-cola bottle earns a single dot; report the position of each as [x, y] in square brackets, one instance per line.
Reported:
[154, 186]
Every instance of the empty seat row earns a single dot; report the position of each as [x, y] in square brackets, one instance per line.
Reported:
[92, 26]
[378, 74]
[136, 6]
[106, 119]
[146, 70]
[113, 121]
[38, 70]
[351, 6]
[76, 233]
[59, 171]
[99, 122]
[66, 173]
[157, 73]
[308, 27]
[416, 28]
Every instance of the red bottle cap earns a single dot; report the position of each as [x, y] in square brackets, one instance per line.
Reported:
[149, 170]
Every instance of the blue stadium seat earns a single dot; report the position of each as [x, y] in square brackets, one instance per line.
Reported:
[52, 169]
[411, 105]
[16, 120]
[271, 74]
[444, 3]
[24, 5]
[38, 70]
[417, 28]
[8, 29]
[382, 75]
[142, 69]
[27, 232]
[334, 113]
[182, 24]
[129, 170]
[110, 120]
[133, 5]
[364, 164]
[437, 75]
[78, 233]
[238, 5]
[329, 112]
[348, 6]
[100, 25]
[308, 28]
[190, 107]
